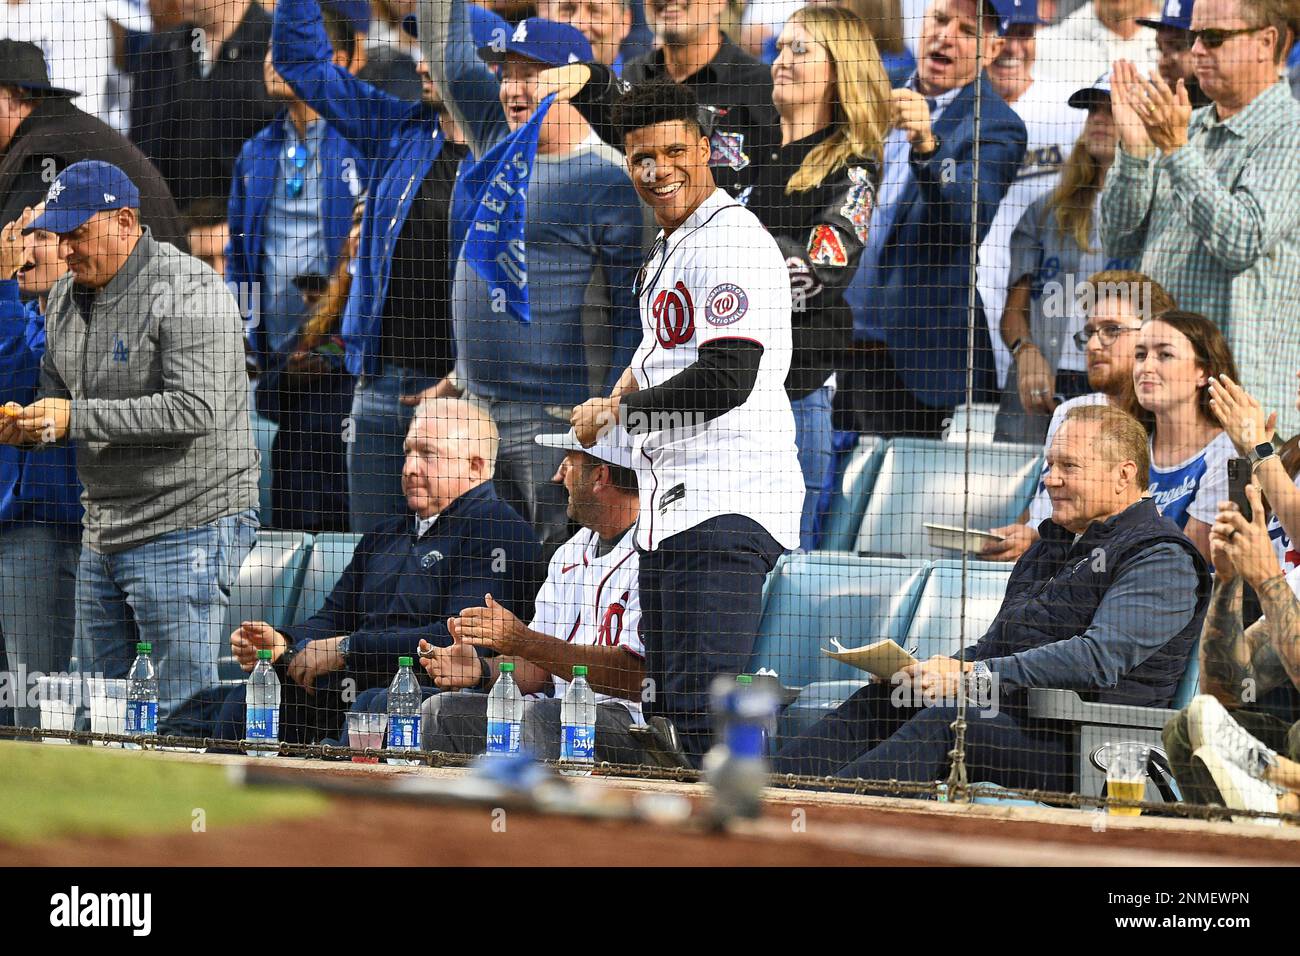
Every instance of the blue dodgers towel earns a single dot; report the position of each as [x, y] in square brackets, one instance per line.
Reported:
[497, 190]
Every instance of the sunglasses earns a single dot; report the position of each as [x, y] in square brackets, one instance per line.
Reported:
[297, 155]
[1212, 39]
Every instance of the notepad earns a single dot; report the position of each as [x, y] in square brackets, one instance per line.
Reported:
[884, 658]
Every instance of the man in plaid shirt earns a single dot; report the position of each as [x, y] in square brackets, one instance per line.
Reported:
[1213, 205]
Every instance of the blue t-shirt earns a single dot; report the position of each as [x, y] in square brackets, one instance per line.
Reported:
[1194, 488]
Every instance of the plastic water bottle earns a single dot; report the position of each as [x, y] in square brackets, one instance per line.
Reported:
[505, 710]
[578, 725]
[736, 767]
[141, 695]
[262, 709]
[404, 701]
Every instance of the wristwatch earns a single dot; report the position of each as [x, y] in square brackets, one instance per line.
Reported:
[345, 645]
[1018, 344]
[979, 684]
[1260, 453]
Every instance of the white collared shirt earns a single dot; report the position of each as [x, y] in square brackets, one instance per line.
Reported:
[720, 275]
[423, 524]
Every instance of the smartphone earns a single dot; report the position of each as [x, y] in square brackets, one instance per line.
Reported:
[1238, 479]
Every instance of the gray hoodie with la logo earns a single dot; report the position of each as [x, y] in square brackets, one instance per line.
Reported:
[155, 373]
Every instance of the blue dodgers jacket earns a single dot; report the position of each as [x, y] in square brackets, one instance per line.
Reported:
[398, 140]
[398, 590]
[34, 486]
[342, 170]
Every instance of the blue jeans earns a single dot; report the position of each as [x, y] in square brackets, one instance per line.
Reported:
[375, 456]
[173, 592]
[38, 580]
[812, 433]
[869, 738]
[525, 468]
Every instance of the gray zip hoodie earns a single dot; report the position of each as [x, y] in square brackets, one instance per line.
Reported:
[159, 397]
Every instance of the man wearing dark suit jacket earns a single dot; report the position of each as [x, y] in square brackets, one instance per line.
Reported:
[911, 298]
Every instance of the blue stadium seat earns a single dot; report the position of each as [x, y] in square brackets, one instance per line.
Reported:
[936, 623]
[330, 554]
[812, 598]
[923, 480]
[854, 476]
[267, 589]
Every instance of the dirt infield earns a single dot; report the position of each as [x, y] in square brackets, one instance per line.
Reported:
[798, 829]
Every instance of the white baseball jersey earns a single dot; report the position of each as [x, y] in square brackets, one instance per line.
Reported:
[591, 599]
[720, 275]
[1288, 554]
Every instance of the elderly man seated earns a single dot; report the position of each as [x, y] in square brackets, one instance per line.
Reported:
[1108, 602]
[406, 578]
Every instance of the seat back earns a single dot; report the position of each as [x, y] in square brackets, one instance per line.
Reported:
[979, 417]
[923, 480]
[1190, 682]
[854, 475]
[812, 598]
[267, 588]
[936, 624]
[330, 554]
[264, 432]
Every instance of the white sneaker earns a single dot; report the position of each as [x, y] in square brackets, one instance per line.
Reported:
[1209, 724]
[1240, 791]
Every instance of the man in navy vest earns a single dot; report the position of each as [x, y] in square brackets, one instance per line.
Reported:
[1108, 603]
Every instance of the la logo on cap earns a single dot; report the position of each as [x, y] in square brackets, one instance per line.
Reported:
[521, 33]
[55, 189]
[109, 197]
[1173, 9]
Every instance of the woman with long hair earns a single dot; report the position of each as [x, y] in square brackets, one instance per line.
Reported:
[1055, 244]
[815, 193]
[1177, 356]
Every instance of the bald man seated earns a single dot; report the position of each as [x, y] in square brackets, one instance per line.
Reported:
[406, 578]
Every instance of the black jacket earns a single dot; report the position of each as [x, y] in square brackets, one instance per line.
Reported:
[821, 233]
[55, 136]
[193, 126]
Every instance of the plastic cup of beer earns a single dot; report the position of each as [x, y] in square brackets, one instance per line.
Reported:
[1126, 776]
[57, 696]
[366, 732]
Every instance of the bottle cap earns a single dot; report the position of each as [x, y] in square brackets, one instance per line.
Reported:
[579, 670]
[745, 679]
[264, 654]
[403, 662]
[144, 647]
[507, 667]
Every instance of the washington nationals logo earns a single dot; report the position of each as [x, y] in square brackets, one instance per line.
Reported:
[674, 314]
[611, 627]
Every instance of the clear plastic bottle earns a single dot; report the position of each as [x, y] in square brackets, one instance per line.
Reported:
[404, 699]
[262, 709]
[736, 766]
[505, 711]
[141, 695]
[578, 725]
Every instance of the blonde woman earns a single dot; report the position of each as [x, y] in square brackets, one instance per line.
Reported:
[1056, 246]
[815, 193]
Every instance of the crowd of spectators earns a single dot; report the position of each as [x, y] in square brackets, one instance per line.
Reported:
[1086, 216]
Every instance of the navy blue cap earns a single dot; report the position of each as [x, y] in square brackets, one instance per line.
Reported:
[1175, 14]
[555, 44]
[82, 190]
[484, 25]
[1013, 12]
[1090, 96]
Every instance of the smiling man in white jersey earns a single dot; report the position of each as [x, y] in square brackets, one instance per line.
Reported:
[704, 399]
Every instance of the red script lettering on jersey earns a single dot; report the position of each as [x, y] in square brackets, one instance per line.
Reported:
[674, 314]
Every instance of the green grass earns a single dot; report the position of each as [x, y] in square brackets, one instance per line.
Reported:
[49, 792]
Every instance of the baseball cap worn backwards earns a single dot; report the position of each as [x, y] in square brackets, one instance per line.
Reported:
[82, 190]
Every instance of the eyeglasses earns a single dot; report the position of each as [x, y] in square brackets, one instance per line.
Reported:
[298, 156]
[1212, 39]
[1106, 334]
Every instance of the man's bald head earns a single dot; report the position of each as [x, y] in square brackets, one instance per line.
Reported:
[451, 448]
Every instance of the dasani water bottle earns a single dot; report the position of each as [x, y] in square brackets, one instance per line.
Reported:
[141, 695]
[262, 708]
[404, 699]
[578, 725]
[505, 710]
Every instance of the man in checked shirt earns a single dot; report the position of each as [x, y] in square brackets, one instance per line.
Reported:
[1211, 199]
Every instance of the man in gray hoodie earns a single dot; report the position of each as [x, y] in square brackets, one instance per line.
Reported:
[144, 372]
